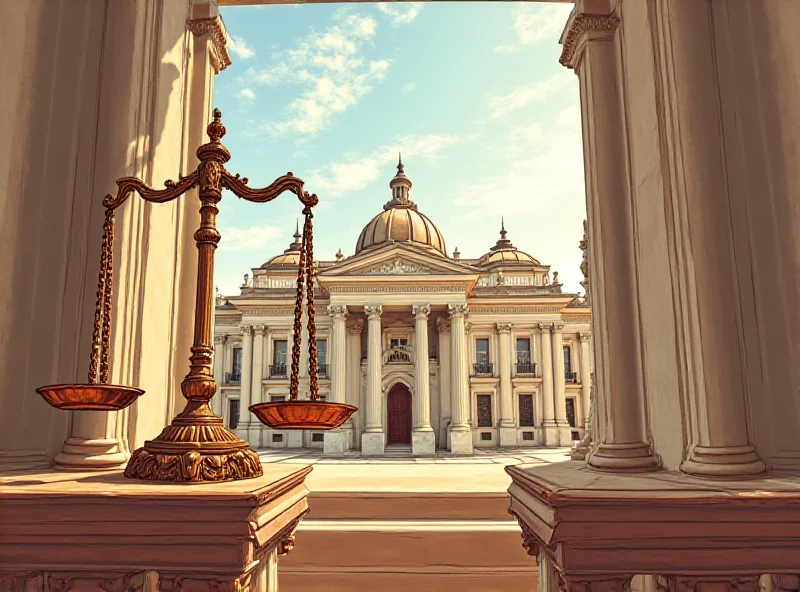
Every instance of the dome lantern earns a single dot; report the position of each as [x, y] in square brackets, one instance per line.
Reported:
[504, 252]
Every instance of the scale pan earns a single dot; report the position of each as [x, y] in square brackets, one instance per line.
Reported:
[302, 415]
[89, 397]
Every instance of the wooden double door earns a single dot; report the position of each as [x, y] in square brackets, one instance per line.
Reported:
[398, 415]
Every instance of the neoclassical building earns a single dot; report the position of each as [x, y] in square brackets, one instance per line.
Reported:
[438, 352]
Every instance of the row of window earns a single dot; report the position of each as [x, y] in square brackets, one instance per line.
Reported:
[280, 348]
[526, 419]
[523, 354]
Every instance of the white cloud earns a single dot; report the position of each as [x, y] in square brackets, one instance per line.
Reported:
[410, 87]
[255, 237]
[536, 22]
[247, 95]
[358, 171]
[238, 46]
[401, 14]
[331, 67]
[519, 97]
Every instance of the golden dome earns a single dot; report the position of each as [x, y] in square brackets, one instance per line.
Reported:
[505, 253]
[290, 256]
[401, 221]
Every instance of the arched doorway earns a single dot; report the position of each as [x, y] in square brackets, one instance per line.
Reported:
[398, 412]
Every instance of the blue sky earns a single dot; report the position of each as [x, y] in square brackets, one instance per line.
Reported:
[471, 93]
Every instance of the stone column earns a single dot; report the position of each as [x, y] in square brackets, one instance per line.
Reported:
[246, 382]
[335, 441]
[423, 440]
[353, 394]
[508, 431]
[373, 440]
[443, 326]
[559, 385]
[460, 432]
[586, 376]
[590, 48]
[219, 357]
[549, 427]
[256, 385]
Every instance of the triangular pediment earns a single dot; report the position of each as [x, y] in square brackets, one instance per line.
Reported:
[397, 260]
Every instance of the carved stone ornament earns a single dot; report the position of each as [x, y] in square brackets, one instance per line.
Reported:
[457, 310]
[529, 540]
[246, 329]
[421, 310]
[443, 325]
[711, 583]
[604, 583]
[373, 310]
[396, 267]
[337, 311]
[219, 39]
[503, 328]
[581, 25]
[355, 325]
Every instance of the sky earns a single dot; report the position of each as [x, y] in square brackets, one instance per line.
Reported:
[472, 94]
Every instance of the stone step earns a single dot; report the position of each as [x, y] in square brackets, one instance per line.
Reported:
[402, 555]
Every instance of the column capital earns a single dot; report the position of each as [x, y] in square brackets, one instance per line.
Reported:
[503, 327]
[373, 311]
[260, 329]
[584, 335]
[583, 27]
[219, 338]
[558, 327]
[355, 326]
[443, 325]
[421, 310]
[545, 327]
[457, 310]
[206, 20]
[467, 328]
[246, 329]
[337, 311]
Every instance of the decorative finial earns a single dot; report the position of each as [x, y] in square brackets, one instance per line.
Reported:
[456, 254]
[400, 164]
[339, 255]
[215, 129]
[555, 278]
[503, 228]
[297, 235]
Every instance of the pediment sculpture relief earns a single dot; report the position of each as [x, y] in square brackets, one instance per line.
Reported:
[396, 267]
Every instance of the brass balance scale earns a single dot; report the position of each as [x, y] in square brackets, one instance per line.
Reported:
[197, 447]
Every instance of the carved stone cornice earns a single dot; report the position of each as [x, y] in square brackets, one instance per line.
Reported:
[443, 325]
[337, 311]
[421, 310]
[215, 29]
[514, 309]
[600, 27]
[503, 327]
[384, 288]
[355, 326]
[373, 311]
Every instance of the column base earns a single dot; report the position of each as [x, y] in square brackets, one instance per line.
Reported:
[254, 435]
[294, 438]
[461, 442]
[551, 434]
[334, 442]
[508, 436]
[565, 434]
[373, 443]
[99, 454]
[724, 462]
[624, 458]
[423, 443]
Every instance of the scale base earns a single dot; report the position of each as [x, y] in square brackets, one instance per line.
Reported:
[196, 448]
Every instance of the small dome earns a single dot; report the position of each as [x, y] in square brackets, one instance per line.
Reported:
[505, 253]
[290, 256]
[401, 221]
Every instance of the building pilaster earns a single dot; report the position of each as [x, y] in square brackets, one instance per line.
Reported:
[355, 422]
[423, 440]
[559, 385]
[460, 431]
[256, 384]
[243, 427]
[373, 440]
[549, 426]
[443, 326]
[586, 376]
[219, 355]
[508, 431]
[336, 441]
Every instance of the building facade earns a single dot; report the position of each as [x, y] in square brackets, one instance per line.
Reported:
[437, 352]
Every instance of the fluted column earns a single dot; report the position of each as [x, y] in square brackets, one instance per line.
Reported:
[246, 379]
[335, 441]
[256, 385]
[423, 440]
[373, 441]
[353, 394]
[460, 432]
[586, 376]
[549, 427]
[559, 385]
[219, 357]
[591, 49]
[443, 326]
[508, 433]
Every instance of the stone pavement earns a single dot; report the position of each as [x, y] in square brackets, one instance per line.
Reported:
[399, 523]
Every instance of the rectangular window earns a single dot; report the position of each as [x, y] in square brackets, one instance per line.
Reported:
[236, 370]
[484, 411]
[322, 352]
[567, 360]
[277, 398]
[571, 412]
[526, 410]
[486, 436]
[527, 435]
[233, 413]
[279, 353]
[399, 342]
[523, 350]
[482, 352]
[276, 438]
[317, 437]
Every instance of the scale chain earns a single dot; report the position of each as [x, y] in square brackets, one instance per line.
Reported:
[105, 346]
[294, 383]
[312, 328]
[101, 332]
